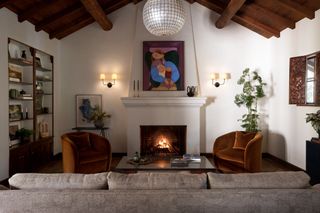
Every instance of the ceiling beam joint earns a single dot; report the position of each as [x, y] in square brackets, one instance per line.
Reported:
[94, 8]
[229, 12]
[298, 8]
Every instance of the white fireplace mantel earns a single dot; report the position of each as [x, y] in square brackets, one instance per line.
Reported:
[163, 111]
[163, 101]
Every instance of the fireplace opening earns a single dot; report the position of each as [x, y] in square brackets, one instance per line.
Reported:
[163, 140]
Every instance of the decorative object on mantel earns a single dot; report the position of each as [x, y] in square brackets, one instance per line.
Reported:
[163, 65]
[163, 17]
[110, 83]
[136, 88]
[314, 118]
[192, 91]
[215, 77]
[85, 106]
[251, 92]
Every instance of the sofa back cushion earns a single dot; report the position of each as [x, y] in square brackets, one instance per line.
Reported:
[263, 180]
[157, 180]
[59, 181]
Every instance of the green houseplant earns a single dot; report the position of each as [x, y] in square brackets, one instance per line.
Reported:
[24, 134]
[314, 118]
[252, 90]
[98, 117]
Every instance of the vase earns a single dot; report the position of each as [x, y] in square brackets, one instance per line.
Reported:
[99, 124]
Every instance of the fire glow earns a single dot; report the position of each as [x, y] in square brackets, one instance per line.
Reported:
[163, 144]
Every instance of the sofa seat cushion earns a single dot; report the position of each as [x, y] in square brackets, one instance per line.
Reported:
[234, 155]
[59, 181]
[156, 180]
[262, 180]
[89, 156]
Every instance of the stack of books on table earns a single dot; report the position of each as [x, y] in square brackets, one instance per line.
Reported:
[194, 158]
[179, 162]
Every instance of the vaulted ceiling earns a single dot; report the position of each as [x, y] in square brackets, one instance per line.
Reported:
[60, 18]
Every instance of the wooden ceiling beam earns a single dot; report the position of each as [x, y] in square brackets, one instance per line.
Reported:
[94, 8]
[229, 12]
[243, 20]
[298, 8]
[27, 13]
[3, 3]
[268, 14]
[85, 20]
[136, 1]
[59, 16]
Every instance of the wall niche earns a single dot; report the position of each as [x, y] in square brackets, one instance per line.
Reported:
[304, 80]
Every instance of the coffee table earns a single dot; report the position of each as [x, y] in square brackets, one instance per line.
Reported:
[163, 164]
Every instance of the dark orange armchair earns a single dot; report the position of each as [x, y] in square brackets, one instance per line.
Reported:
[238, 152]
[84, 152]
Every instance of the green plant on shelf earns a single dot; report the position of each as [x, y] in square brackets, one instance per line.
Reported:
[314, 118]
[24, 134]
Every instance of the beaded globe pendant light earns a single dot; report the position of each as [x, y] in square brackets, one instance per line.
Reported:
[163, 17]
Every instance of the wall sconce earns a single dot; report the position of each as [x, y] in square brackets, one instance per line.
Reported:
[215, 77]
[109, 84]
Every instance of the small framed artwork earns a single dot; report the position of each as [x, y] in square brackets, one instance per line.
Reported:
[163, 65]
[15, 111]
[85, 106]
[12, 131]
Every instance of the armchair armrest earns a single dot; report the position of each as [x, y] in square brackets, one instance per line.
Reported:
[252, 154]
[101, 144]
[70, 154]
[223, 142]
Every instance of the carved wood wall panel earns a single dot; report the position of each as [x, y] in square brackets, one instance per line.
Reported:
[297, 80]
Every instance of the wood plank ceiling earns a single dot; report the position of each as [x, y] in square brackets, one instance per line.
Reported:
[60, 18]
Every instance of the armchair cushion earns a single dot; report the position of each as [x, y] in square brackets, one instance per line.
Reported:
[82, 140]
[242, 139]
[90, 156]
[234, 155]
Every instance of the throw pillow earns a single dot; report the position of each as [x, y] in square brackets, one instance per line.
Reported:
[59, 181]
[82, 140]
[156, 180]
[242, 139]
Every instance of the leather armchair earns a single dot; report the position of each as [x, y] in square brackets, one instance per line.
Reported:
[84, 152]
[229, 159]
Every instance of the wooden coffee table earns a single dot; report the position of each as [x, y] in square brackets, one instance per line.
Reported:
[163, 164]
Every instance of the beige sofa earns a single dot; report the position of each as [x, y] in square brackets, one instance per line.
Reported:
[161, 192]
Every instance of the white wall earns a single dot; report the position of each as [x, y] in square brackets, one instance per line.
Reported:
[86, 53]
[288, 130]
[23, 32]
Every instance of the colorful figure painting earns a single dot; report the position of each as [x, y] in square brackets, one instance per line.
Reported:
[163, 65]
[85, 105]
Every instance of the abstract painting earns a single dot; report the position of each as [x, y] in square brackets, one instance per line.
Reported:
[163, 65]
[85, 106]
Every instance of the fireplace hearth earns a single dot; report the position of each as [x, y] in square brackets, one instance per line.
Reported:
[163, 140]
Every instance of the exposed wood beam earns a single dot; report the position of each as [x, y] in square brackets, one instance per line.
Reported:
[136, 1]
[33, 9]
[243, 20]
[298, 8]
[229, 12]
[77, 8]
[268, 14]
[94, 8]
[85, 20]
[3, 3]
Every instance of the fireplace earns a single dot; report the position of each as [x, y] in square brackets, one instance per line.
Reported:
[163, 140]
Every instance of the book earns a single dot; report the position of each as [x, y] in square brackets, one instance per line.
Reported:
[14, 79]
[179, 162]
[192, 157]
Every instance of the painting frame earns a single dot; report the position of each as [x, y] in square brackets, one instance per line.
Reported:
[85, 103]
[163, 66]
[15, 112]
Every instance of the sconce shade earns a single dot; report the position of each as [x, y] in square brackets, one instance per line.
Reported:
[102, 76]
[114, 76]
[163, 17]
[226, 76]
[214, 76]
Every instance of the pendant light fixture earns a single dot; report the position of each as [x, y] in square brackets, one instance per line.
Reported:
[163, 17]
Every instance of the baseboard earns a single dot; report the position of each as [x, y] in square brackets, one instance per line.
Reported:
[119, 154]
[280, 161]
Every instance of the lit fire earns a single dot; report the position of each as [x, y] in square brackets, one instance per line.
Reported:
[163, 144]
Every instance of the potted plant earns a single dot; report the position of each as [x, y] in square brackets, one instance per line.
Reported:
[24, 134]
[252, 91]
[98, 117]
[314, 118]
